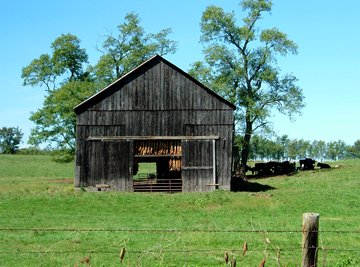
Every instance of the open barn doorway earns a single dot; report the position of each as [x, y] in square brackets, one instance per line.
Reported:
[157, 166]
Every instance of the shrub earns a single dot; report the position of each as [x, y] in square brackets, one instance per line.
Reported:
[62, 155]
[32, 151]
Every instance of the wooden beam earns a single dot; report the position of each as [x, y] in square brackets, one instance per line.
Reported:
[198, 168]
[158, 156]
[102, 186]
[113, 138]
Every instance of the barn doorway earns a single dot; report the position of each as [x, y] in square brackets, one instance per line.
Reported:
[165, 159]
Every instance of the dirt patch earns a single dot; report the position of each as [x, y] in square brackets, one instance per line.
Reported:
[260, 195]
[69, 181]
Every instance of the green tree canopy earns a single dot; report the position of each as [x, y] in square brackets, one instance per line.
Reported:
[67, 84]
[129, 48]
[10, 139]
[241, 65]
[56, 121]
[318, 150]
[65, 63]
[68, 81]
[336, 150]
[355, 149]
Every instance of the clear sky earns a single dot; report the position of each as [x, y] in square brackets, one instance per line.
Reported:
[326, 31]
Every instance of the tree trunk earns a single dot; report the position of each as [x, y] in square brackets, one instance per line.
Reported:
[245, 154]
[246, 147]
[237, 161]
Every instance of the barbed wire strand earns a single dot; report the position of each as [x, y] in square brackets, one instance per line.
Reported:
[174, 230]
[137, 262]
[176, 251]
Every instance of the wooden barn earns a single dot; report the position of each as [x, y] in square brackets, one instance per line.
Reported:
[155, 113]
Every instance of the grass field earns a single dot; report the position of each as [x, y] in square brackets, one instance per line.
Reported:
[36, 193]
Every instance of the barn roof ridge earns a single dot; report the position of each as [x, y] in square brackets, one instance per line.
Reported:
[167, 62]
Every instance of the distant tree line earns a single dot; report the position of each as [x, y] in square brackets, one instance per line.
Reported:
[10, 139]
[282, 148]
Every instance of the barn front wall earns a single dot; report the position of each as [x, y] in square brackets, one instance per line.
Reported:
[155, 101]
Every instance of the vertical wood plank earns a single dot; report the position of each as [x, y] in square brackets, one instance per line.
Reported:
[155, 85]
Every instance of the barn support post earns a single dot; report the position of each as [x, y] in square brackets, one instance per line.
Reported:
[214, 163]
[78, 173]
[310, 239]
[77, 176]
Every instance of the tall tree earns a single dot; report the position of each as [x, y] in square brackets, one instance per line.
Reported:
[67, 84]
[318, 150]
[355, 149]
[240, 64]
[258, 147]
[10, 138]
[283, 142]
[292, 151]
[336, 149]
[56, 120]
[129, 48]
[68, 81]
[303, 148]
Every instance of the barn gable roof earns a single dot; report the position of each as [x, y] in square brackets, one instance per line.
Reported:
[83, 106]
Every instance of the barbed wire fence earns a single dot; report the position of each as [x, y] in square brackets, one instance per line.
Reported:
[166, 252]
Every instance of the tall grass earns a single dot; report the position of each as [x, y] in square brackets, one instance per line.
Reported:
[36, 193]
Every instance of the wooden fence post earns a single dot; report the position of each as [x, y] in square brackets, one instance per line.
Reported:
[310, 239]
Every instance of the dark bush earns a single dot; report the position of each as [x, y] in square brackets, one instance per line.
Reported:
[62, 155]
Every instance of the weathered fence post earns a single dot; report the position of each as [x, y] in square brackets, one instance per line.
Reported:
[310, 239]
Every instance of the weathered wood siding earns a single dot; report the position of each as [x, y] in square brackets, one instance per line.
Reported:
[109, 161]
[197, 171]
[156, 99]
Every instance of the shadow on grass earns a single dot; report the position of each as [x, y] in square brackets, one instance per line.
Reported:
[245, 186]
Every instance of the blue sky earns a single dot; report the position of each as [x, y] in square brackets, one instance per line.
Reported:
[326, 31]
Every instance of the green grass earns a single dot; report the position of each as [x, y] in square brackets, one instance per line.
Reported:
[36, 193]
[145, 168]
